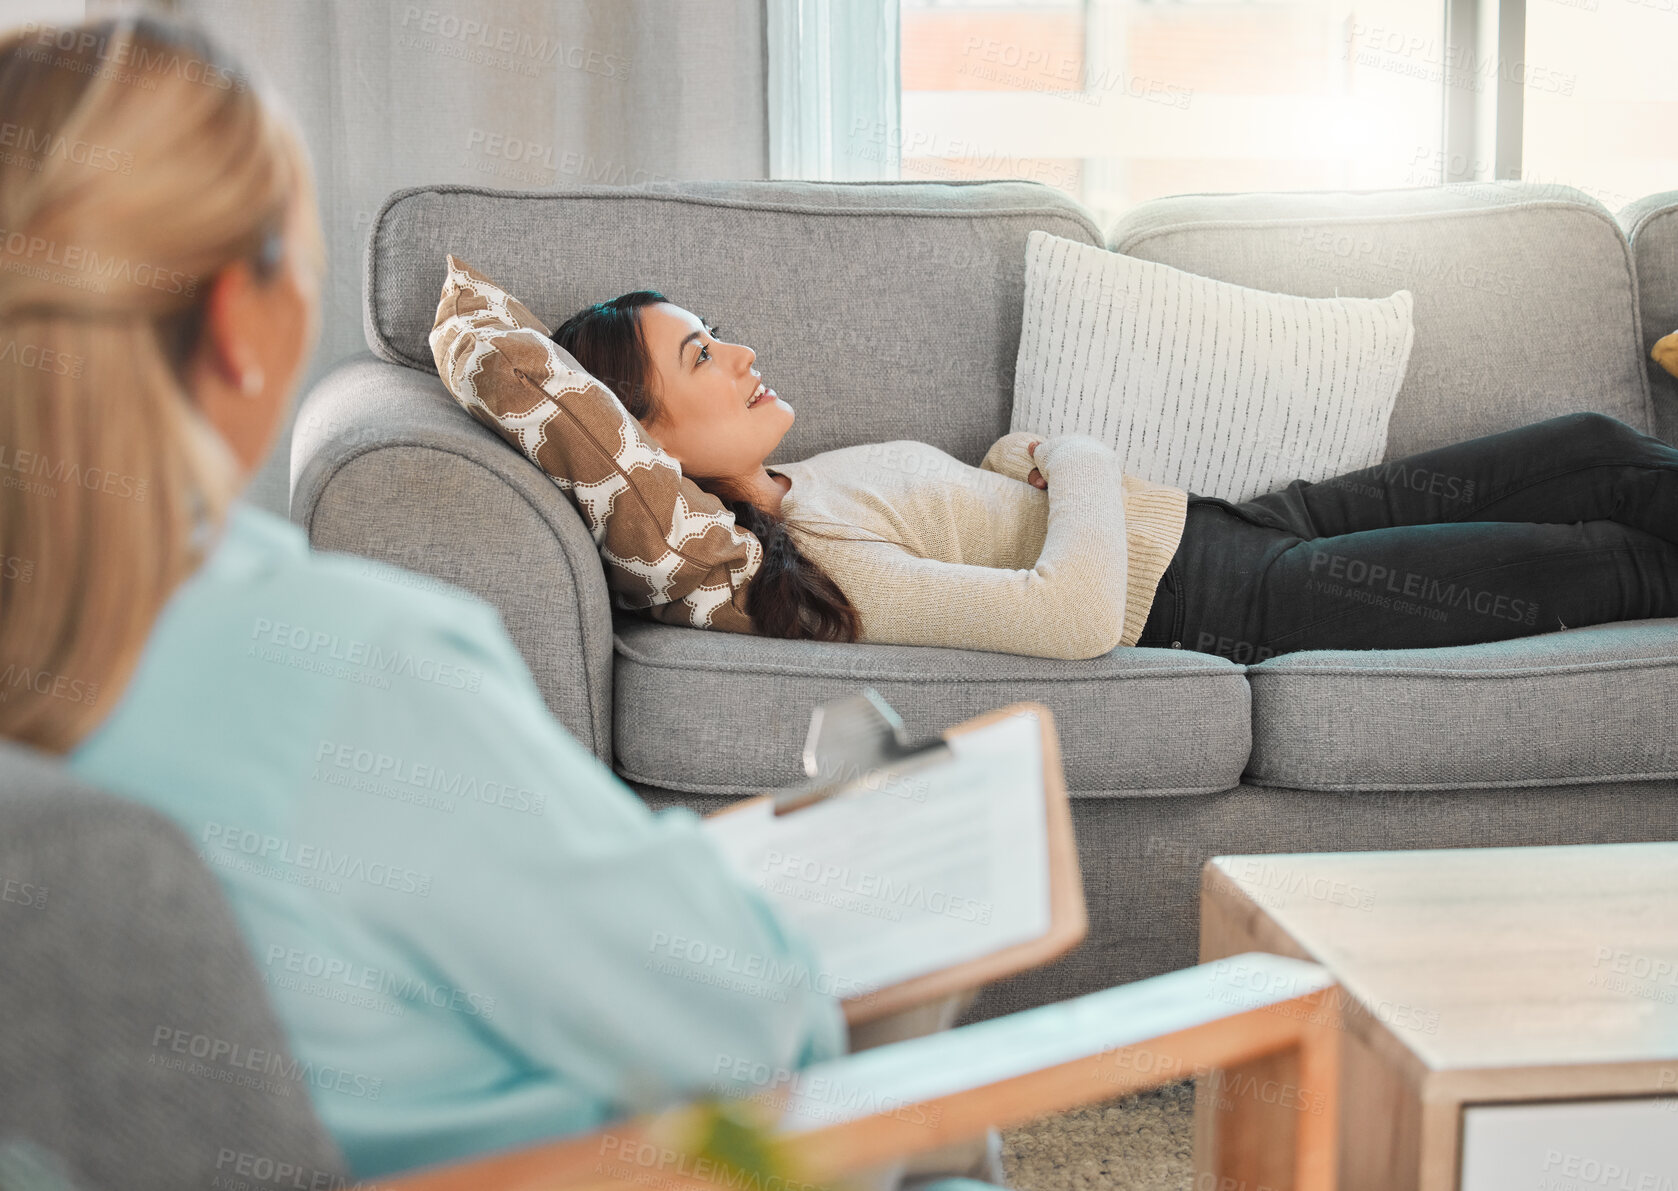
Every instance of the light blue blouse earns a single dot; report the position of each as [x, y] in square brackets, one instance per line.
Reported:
[473, 933]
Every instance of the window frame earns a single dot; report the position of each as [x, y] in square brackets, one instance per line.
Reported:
[835, 90]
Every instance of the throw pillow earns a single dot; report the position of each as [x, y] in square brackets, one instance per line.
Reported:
[670, 548]
[1207, 386]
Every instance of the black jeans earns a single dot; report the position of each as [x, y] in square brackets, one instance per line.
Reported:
[1566, 522]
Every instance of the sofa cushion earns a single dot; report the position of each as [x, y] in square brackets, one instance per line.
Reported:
[879, 310]
[668, 546]
[711, 713]
[1651, 223]
[1591, 704]
[1525, 303]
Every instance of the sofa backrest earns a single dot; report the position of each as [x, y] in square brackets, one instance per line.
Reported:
[878, 310]
[137, 1047]
[1525, 298]
[1651, 223]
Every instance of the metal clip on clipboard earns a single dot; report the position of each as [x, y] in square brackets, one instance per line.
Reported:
[857, 740]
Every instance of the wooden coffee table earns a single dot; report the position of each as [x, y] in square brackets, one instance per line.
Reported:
[1510, 1015]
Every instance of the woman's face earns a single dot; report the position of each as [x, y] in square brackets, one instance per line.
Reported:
[702, 386]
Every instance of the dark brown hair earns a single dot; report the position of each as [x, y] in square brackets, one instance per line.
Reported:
[790, 596]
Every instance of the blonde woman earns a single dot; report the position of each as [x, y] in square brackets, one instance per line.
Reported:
[474, 935]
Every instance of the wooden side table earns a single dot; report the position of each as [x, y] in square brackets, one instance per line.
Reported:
[1510, 1015]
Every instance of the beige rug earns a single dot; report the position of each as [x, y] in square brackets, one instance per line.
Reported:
[1142, 1143]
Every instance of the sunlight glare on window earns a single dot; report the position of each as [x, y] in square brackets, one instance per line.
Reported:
[1117, 101]
[1600, 97]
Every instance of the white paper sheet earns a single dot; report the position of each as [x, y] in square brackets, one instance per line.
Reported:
[936, 868]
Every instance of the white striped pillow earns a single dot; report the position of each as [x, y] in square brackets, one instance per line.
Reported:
[1212, 387]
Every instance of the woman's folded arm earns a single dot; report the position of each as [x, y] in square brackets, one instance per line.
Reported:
[1069, 605]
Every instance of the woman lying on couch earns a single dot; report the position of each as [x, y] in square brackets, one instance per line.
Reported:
[1050, 548]
[473, 933]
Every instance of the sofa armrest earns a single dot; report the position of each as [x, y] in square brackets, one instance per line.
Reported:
[385, 465]
[1651, 227]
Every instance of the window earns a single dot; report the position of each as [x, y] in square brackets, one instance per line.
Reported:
[1600, 97]
[1119, 101]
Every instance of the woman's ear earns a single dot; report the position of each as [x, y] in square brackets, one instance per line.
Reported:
[229, 319]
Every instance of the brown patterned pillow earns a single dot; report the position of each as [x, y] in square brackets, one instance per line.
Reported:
[670, 548]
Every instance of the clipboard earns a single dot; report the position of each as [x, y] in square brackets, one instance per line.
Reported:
[860, 738]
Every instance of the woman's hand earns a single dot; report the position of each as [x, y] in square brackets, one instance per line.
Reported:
[1035, 479]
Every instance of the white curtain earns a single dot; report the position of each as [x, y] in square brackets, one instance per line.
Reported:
[835, 89]
[513, 94]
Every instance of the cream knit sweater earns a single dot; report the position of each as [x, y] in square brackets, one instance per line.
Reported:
[977, 558]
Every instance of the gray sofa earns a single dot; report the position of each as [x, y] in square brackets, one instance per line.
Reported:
[892, 310]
